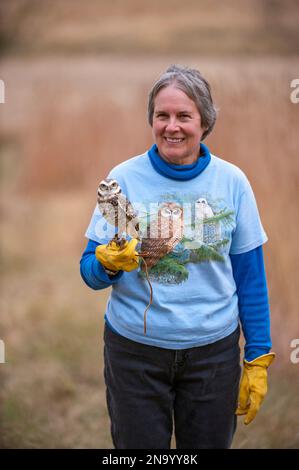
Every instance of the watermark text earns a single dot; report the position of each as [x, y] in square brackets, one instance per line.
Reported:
[2, 352]
[294, 357]
[294, 96]
[2, 91]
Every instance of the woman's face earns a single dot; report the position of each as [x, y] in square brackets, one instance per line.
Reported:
[177, 127]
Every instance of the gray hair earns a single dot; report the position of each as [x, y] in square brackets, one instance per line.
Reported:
[196, 87]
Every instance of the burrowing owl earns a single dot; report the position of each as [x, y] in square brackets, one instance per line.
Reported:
[116, 208]
[163, 233]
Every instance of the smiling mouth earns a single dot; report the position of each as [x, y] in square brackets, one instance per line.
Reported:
[173, 140]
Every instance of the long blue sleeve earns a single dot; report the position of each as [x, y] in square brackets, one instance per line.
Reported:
[250, 278]
[92, 271]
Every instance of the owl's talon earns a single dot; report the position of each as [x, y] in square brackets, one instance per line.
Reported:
[119, 241]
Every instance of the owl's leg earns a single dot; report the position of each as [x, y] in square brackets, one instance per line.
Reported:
[119, 241]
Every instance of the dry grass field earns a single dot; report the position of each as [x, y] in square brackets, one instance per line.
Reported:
[73, 110]
[133, 27]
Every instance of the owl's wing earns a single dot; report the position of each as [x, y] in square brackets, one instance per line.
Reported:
[153, 249]
[126, 206]
[130, 221]
[209, 212]
[122, 201]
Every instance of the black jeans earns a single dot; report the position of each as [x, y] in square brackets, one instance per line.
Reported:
[150, 388]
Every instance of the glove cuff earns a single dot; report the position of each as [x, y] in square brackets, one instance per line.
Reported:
[110, 272]
[263, 361]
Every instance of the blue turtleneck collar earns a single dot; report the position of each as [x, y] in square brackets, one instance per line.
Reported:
[179, 172]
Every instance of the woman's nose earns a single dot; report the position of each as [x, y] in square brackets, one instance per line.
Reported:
[172, 125]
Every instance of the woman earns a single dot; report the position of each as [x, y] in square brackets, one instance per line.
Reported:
[207, 276]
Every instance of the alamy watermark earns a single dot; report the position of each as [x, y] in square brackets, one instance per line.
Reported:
[294, 357]
[2, 352]
[2, 91]
[294, 96]
[196, 223]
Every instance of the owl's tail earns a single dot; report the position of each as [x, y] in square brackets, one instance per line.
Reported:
[151, 293]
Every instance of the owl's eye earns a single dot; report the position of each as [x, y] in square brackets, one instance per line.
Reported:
[166, 212]
[103, 187]
[176, 212]
[114, 185]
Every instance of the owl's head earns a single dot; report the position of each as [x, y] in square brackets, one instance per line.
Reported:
[201, 201]
[108, 188]
[171, 210]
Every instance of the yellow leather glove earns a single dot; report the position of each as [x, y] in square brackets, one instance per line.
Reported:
[253, 387]
[116, 258]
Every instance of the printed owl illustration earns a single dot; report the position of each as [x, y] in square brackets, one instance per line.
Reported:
[163, 233]
[202, 209]
[116, 208]
[205, 232]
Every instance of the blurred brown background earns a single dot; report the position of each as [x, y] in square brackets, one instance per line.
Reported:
[76, 80]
